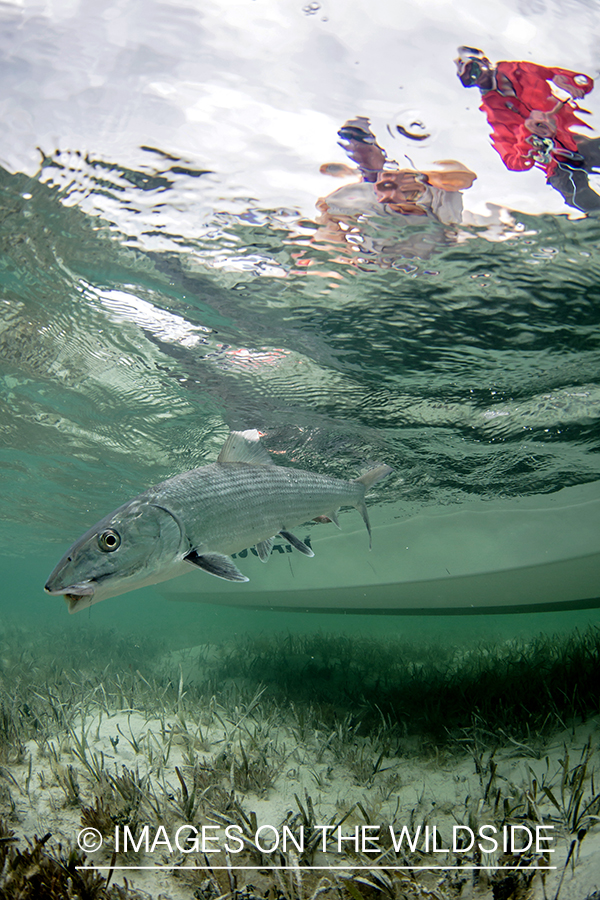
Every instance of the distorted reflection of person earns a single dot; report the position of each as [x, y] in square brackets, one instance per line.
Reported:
[531, 122]
[362, 148]
[435, 193]
[431, 197]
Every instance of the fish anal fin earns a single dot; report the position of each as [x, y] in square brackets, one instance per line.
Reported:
[363, 511]
[216, 564]
[334, 518]
[367, 479]
[296, 543]
[263, 548]
[245, 446]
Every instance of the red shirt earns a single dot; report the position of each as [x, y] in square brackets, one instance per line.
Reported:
[506, 114]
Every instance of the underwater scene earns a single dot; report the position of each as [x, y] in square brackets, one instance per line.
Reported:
[299, 433]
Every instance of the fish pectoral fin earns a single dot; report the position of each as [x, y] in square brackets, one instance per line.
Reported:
[263, 548]
[245, 446]
[216, 564]
[296, 543]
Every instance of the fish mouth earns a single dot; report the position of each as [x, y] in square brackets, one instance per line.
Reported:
[77, 596]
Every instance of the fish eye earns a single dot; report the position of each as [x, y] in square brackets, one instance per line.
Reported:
[109, 540]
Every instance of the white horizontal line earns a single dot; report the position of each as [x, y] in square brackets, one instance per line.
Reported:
[312, 868]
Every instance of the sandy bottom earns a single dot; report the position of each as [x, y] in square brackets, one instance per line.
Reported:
[256, 770]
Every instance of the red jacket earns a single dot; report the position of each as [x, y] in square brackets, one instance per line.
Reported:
[519, 149]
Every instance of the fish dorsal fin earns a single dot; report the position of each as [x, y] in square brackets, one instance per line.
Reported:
[244, 446]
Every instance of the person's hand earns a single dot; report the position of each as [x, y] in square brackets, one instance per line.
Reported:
[565, 84]
[367, 156]
[541, 123]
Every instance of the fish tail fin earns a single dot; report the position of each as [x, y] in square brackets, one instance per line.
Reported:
[368, 479]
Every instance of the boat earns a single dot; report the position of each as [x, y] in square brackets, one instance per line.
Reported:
[524, 554]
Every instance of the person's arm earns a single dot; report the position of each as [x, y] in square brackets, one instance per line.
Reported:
[577, 84]
[368, 157]
[454, 176]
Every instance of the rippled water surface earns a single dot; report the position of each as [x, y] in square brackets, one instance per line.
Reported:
[123, 365]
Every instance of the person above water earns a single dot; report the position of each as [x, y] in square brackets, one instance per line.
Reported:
[360, 145]
[531, 125]
[407, 192]
[428, 199]
[434, 193]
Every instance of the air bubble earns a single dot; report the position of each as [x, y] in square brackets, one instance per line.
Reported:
[411, 124]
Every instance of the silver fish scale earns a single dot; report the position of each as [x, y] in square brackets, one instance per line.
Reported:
[226, 507]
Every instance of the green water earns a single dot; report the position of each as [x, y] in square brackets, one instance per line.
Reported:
[123, 366]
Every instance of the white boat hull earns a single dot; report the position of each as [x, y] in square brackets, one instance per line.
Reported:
[519, 555]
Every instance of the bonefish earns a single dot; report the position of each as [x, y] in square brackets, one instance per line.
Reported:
[199, 518]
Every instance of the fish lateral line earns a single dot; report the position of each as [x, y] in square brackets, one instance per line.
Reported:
[159, 533]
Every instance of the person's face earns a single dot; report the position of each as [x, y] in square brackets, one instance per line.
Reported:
[398, 188]
[475, 73]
